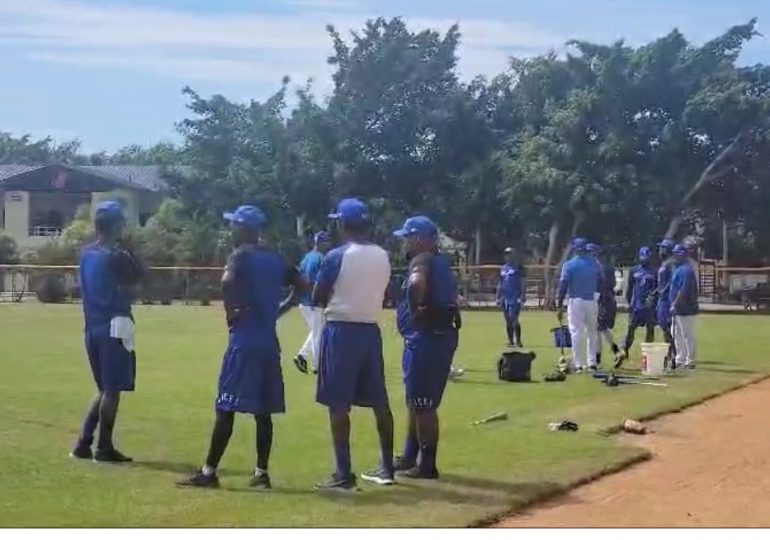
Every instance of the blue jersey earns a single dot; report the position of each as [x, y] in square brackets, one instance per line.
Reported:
[580, 278]
[665, 272]
[511, 282]
[684, 281]
[440, 300]
[259, 277]
[104, 288]
[642, 283]
[607, 285]
[309, 268]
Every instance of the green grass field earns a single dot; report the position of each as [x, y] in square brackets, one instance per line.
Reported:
[166, 424]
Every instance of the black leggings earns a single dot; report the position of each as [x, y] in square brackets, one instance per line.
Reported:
[223, 429]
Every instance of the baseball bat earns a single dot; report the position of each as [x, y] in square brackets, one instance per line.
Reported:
[494, 418]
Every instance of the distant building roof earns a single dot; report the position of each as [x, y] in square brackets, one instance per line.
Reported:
[143, 177]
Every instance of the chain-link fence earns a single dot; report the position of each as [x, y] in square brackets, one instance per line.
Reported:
[742, 287]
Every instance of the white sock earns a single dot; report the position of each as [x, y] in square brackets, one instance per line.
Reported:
[208, 471]
[258, 471]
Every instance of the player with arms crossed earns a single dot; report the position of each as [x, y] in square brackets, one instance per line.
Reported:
[428, 319]
[683, 297]
[314, 317]
[108, 271]
[351, 287]
[511, 296]
[251, 380]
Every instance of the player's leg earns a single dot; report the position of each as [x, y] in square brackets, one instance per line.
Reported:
[649, 336]
[118, 375]
[599, 346]
[591, 321]
[577, 329]
[408, 459]
[509, 326]
[82, 449]
[631, 333]
[680, 342]
[206, 476]
[261, 477]
[688, 331]
[425, 390]
[372, 392]
[517, 332]
[335, 388]
[300, 361]
[317, 326]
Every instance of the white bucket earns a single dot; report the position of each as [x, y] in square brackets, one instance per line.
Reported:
[654, 358]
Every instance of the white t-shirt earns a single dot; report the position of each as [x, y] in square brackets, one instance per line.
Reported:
[358, 276]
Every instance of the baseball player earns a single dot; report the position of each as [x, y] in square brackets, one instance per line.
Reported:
[511, 296]
[683, 296]
[640, 294]
[608, 305]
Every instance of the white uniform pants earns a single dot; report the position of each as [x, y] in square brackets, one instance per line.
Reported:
[314, 317]
[683, 330]
[582, 317]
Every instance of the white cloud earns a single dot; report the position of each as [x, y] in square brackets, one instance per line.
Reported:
[227, 46]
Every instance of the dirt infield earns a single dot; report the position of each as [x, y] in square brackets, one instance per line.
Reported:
[710, 468]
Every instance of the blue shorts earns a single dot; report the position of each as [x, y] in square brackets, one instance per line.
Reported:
[607, 313]
[251, 381]
[511, 309]
[351, 370]
[426, 363]
[664, 316]
[112, 365]
[641, 317]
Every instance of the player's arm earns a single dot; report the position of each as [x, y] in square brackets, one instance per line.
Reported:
[563, 285]
[417, 289]
[327, 276]
[630, 287]
[127, 266]
[298, 285]
[233, 268]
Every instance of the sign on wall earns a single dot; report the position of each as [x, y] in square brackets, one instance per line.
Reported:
[14, 196]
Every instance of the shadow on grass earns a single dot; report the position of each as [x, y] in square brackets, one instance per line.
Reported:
[181, 468]
[450, 489]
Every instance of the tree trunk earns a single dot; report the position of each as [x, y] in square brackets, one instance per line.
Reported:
[708, 175]
[553, 236]
[300, 225]
[477, 246]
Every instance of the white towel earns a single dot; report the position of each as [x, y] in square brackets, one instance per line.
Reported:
[122, 328]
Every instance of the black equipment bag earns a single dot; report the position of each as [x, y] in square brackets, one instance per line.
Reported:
[515, 366]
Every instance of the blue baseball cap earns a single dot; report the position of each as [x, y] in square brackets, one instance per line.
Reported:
[579, 244]
[419, 226]
[680, 249]
[322, 237]
[248, 216]
[667, 243]
[645, 253]
[593, 248]
[110, 211]
[351, 211]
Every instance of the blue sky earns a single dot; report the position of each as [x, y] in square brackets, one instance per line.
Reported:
[109, 72]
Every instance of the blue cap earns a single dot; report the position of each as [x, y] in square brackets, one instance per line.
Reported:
[667, 243]
[248, 216]
[110, 210]
[322, 237]
[680, 249]
[579, 244]
[351, 211]
[645, 253]
[419, 226]
[593, 248]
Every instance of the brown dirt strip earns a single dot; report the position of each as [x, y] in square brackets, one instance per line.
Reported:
[710, 468]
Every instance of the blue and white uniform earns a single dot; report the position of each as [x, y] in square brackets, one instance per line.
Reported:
[642, 283]
[310, 267]
[684, 281]
[511, 291]
[351, 370]
[580, 284]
